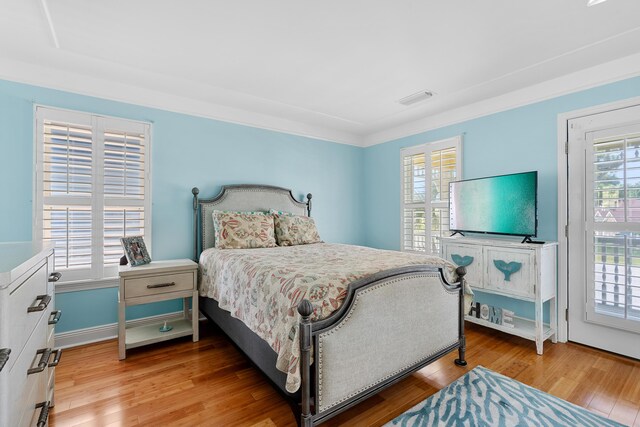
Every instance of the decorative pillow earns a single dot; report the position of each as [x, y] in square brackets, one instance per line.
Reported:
[294, 230]
[243, 230]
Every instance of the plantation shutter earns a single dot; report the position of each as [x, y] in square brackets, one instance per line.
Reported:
[414, 228]
[67, 186]
[427, 171]
[444, 170]
[613, 289]
[92, 189]
[124, 189]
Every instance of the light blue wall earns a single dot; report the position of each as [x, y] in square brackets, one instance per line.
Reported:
[517, 140]
[363, 183]
[187, 151]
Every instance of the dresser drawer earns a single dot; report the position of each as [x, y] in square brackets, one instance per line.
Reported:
[23, 322]
[21, 385]
[468, 256]
[510, 271]
[158, 284]
[31, 412]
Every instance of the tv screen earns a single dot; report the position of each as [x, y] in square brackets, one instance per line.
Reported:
[505, 204]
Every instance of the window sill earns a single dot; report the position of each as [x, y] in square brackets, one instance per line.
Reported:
[86, 285]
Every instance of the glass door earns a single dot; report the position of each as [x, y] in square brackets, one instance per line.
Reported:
[604, 231]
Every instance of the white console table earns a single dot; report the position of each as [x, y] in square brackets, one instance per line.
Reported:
[522, 271]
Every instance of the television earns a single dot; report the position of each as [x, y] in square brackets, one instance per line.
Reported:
[504, 204]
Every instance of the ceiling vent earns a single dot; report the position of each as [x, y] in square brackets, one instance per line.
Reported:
[416, 97]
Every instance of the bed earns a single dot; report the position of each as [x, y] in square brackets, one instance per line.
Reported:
[381, 315]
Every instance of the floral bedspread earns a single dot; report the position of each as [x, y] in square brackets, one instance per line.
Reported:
[262, 287]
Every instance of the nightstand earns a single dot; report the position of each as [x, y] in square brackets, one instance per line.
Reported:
[157, 281]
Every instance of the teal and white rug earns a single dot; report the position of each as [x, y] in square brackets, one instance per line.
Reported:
[485, 398]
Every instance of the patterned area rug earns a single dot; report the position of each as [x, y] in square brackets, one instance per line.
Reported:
[485, 398]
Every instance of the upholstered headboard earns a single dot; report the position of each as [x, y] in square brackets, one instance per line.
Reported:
[244, 197]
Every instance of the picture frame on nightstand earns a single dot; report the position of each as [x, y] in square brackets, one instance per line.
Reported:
[135, 250]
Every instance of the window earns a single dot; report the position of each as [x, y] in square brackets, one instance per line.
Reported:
[427, 171]
[92, 188]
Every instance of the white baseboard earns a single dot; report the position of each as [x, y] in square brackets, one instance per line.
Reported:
[109, 331]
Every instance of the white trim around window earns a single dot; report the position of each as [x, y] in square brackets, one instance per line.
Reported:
[92, 186]
[427, 212]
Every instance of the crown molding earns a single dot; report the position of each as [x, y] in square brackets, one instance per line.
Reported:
[588, 78]
[53, 78]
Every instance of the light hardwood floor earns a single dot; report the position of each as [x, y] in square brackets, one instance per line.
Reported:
[211, 383]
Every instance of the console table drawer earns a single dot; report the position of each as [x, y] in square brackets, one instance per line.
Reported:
[510, 271]
[160, 284]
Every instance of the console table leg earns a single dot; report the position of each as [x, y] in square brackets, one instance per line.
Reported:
[539, 326]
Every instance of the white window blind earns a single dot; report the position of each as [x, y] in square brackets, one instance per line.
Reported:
[615, 290]
[92, 189]
[427, 171]
[124, 189]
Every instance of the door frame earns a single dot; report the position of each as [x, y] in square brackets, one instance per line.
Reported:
[563, 206]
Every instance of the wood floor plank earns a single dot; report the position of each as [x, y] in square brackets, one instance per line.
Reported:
[210, 382]
[624, 412]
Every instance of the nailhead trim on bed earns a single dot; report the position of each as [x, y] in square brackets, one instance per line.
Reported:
[346, 319]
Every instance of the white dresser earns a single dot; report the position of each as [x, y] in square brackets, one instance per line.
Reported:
[27, 322]
[522, 271]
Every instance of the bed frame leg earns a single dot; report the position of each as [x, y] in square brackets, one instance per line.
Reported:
[461, 353]
[461, 361]
[305, 309]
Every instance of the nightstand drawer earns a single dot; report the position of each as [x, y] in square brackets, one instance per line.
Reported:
[160, 284]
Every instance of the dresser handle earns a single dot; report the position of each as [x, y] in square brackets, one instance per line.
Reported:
[57, 314]
[44, 360]
[44, 302]
[56, 359]
[55, 276]
[44, 413]
[4, 357]
[161, 285]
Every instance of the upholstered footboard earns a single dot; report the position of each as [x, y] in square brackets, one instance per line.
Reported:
[390, 325]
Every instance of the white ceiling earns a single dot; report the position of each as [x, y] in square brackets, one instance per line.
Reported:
[331, 69]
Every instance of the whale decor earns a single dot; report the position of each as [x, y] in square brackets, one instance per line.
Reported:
[507, 268]
[461, 261]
